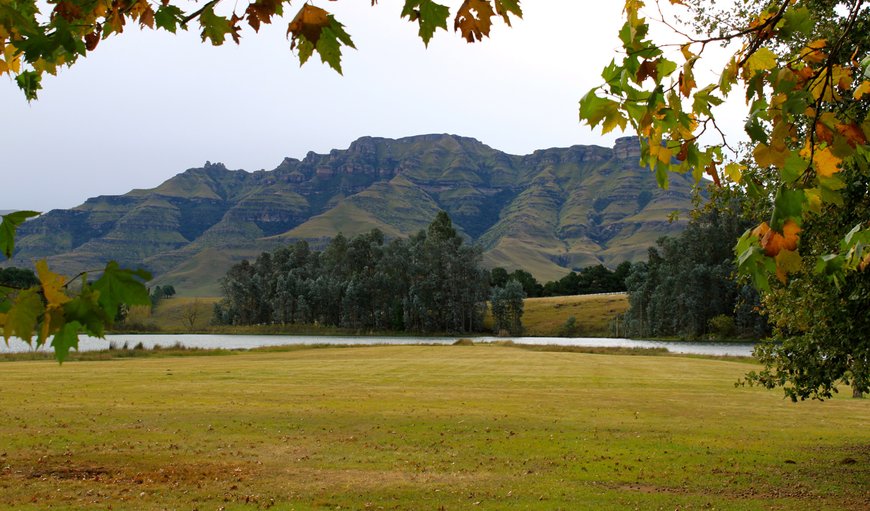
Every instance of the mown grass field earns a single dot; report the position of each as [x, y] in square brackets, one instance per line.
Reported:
[421, 427]
[541, 317]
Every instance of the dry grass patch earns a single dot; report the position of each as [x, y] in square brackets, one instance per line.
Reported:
[594, 313]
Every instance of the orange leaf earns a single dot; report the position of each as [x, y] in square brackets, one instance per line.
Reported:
[826, 163]
[473, 26]
[309, 23]
[773, 242]
[853, 134]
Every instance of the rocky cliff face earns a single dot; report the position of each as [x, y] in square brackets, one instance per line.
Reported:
[547, 212]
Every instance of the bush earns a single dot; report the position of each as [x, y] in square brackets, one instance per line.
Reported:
[722, 327]
[569, 329]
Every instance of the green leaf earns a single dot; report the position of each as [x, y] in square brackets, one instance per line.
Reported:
[120, 286]
[752, 262]
[168, 17]
[8, 225]
[429, 15]
[594, 109]
[797, 20]
[86, 310]
[787, 204]
[214, 28]
[22, 317]
[67, 338]
[794, 167]
[29, 82]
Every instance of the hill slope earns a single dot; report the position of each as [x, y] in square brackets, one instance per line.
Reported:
[547, 212]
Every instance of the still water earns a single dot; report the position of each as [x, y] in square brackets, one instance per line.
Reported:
[235, 342]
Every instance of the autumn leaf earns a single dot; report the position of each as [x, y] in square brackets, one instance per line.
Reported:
[315, 29]
[261, 11]
[474, 19]
[761, 60]
[861, 90]
[647, 69]
[21, 319]
[853, 134]
[52, 285]
[825, 162]
[505, 8]
[787, 261]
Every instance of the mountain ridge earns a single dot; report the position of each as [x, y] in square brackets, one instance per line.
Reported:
[548, 212]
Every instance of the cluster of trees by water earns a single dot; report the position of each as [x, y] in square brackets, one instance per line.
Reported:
[688, 286]
[429, 282]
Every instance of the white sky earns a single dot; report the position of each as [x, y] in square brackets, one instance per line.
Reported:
[148, 105]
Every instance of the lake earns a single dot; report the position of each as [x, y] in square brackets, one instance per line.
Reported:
[235, 342]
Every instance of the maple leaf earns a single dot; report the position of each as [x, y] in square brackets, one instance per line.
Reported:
[52, 285]
[214, 28]
[8, 225]
[474, 19]
[20, 320]
[787, 261]
[65, 339]
[262, 11]
[428, 14]
[647, 69]
[120, 286]
[853, 134]
[506, 7]
[308, 24]
[825, 162]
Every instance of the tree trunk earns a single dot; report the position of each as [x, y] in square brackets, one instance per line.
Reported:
[856, 392]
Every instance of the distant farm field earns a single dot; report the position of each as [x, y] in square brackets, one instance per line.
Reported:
[421, 427]
[595, 315]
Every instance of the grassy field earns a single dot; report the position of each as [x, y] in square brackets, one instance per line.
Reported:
[594, 313]
[421, 428]
[542, 316]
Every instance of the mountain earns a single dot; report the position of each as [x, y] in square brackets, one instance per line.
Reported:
[546, 212]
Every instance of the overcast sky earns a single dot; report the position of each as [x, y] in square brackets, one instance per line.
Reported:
[148, 105]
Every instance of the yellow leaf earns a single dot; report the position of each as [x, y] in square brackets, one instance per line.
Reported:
[842, 77]
[734, 171]
[861, 90]
[762, 60]
[52, 285]
[825, 162]
[814, 199]
[687, 53]
[813, 53]
[767, 156]
[787, 261]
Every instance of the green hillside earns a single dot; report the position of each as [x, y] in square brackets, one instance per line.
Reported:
[548, 212]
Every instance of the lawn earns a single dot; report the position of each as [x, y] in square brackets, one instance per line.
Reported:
[421, 427]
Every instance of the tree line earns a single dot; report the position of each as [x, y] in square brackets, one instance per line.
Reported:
[688, 287]
[429, 282]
